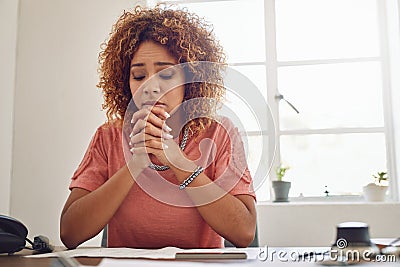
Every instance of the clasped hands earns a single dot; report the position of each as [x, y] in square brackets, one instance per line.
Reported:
[151, 135]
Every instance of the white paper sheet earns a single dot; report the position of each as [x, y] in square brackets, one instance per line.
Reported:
[163, 253]
[173, 263]
[224, 263]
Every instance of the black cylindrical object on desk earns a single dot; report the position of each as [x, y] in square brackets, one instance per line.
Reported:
[352, 234]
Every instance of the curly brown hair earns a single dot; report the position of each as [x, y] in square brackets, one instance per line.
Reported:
[186, 36]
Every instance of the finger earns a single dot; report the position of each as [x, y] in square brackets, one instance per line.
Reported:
[150, 148]
[157, 121]
[138, 127]
[160, 112]
[139, 150]
[139, 138]
[154, 144]
[140, 114]
[153, 130]
[149, 128]
[143, 137]
[155, 115]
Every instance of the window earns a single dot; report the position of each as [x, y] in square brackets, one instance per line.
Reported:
[330, 59]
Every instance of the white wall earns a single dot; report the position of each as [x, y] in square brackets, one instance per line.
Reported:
[8, 45]
[314, 224]
[57, 104]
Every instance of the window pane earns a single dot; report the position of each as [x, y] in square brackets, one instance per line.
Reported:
[235, 106]
[344, 163]
[320, 29]
[257, 74]
[259, 165]
[246, 97]
[239, 25]
[334, 95]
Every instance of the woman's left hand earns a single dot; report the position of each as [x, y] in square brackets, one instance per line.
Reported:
[171, 154]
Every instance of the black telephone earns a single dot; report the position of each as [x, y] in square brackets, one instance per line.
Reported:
[13, 237]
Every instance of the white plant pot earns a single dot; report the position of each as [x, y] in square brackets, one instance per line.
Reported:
[374, 192]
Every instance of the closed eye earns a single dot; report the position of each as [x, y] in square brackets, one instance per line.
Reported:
[166, 77]
[166, 74]
[139, 78]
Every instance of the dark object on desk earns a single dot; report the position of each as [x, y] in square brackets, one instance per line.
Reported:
[13, 237]
[352, 237]
[41, 244]
[352, 234]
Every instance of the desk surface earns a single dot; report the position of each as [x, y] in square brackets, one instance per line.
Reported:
[18, 260]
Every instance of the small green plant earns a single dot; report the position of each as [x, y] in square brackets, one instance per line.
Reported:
[281, 171]
[380, 176]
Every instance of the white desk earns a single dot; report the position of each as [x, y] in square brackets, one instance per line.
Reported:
[263, 256]
[256, 257]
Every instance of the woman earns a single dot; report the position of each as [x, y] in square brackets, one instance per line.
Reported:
[162, 185]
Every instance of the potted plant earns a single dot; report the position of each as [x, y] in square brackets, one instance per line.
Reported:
[376, 191]
[281, 188]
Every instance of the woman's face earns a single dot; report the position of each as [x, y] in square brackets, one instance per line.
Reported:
[154, 80]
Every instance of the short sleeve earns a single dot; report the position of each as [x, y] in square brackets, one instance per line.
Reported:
[232, 172]
[93, 170]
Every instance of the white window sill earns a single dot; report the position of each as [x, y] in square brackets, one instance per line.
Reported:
[330, 200]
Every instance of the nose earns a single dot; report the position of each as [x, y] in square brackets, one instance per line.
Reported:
[152, 86]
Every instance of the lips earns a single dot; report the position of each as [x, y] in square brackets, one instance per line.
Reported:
[153, 103]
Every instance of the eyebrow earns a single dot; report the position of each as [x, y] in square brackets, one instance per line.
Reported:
[160, 63]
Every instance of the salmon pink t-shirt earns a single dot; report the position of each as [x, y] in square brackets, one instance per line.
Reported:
[155, 212]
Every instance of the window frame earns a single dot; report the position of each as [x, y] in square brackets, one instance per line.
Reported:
[387, 48]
